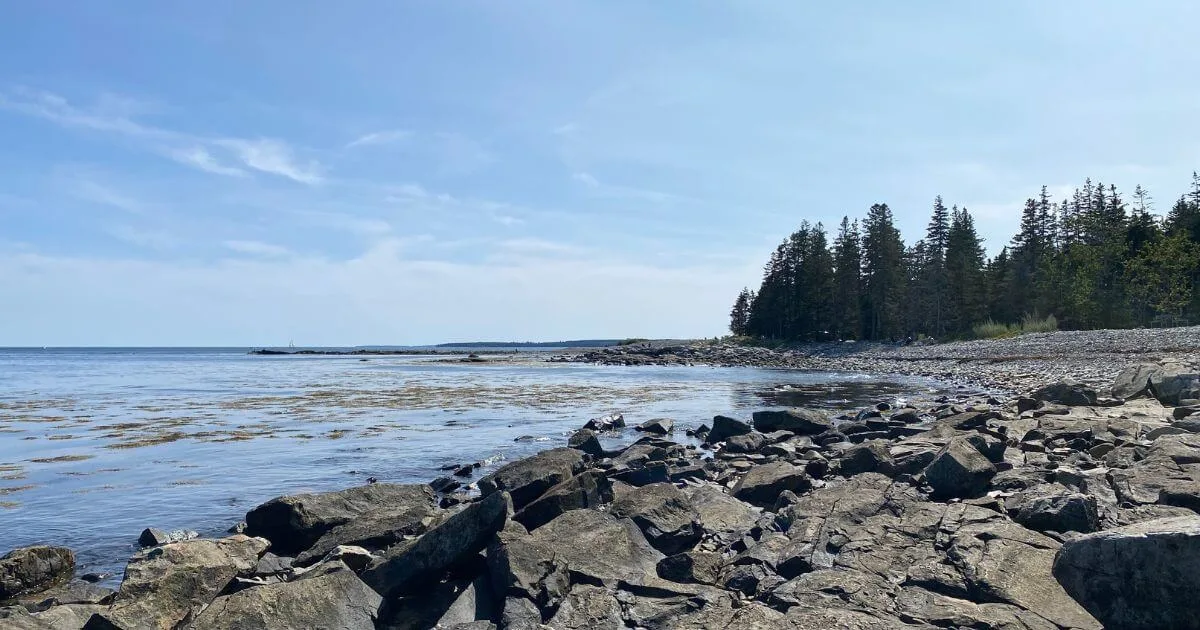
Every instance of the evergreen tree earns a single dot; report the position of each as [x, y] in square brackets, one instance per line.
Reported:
[847, 285]
[739, 317]
[883, 275]
[929, 259]
[967, 301]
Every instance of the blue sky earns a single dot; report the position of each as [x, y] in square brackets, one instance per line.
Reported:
[405, 172]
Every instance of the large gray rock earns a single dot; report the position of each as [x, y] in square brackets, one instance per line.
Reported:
[959, 470]
[799, 421]
[588, 607]
[870, 456]
[692, 567]
[1134, 380]
[293, 523]
[942, 611]
[761, 485]
[587, 441]
[720, 512]
[664, 514]
[329, 596]
[586, 490]
[450, 543]
[724, 428]
[1065, 393]
[374, 530]
[527, 479]
[17, 618]
[1174, 383]
[598, 547]
[1139, 576]
[33, 569]
[525, 569]
[166, 586]
[1052, 507]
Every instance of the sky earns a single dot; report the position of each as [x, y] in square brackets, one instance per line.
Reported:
[407, 172]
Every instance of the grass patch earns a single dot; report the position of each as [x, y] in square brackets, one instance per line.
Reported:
[1029, 324]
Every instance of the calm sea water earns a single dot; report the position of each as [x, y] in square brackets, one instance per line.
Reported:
[97, 444]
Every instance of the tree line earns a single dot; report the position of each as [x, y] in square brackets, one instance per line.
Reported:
[1092, 260]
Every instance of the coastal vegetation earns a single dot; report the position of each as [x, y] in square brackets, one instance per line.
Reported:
[1093, 260]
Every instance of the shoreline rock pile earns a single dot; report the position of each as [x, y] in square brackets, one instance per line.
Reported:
[1066, 508]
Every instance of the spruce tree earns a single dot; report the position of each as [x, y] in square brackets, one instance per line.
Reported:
[847, 285]
[883, 275]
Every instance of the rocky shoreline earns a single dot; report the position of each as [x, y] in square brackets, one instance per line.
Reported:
[1070, 506]
[1006, 366]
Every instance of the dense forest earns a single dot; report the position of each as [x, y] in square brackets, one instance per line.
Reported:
[1094, 260]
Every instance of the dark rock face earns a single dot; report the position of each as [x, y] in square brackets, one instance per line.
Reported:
[762, 484]
[525, 569]
[1065, 393]
[527, 479]
[1134, 380]
[607, 423]
[692, 567]
[293, 523]
[1174, 384]
[658, 426]
[798, 421]
[586, 490]
[871, 456]
[166, 586]
[1054, 508]
[376, 530]
[1139, 576]
[745, 443]
[664, 514]
[586, 440]
[34, 569]
[959, 470]
[460, 536]
[330, 596]
[724, 428]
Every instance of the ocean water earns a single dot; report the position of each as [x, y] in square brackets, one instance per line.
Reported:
[97, 444]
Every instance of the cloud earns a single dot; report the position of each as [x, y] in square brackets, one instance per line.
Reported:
[200, 158]
[586, 179]
[97, 193]
[362, 226]
[257, 248]
[273, 156]
[148, 238]
[380, 137]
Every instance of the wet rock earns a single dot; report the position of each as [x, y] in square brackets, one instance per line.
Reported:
[153, 537]
[293, 523]
[443, 485]
[796, 420]
[34, 569]
[1065, 393]
[658, 426]
[375, 530]
[1051, 507]
[762, 484]
[959, 470]
[166, 586]
[527, 479]
[450, 543]
[586, 440]
[1140, 576]
[606, 423]
[692, 567]
[745, 443]
[664, 514]
[724, 428]
[330, 596]
[586, 490]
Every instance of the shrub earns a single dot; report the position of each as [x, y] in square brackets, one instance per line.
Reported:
[992, 330]
[1032, 323]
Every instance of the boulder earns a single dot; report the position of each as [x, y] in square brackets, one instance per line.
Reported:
[588, 607]
[329, 596]
[959, 471]
[166, 586]
[658, 426]
[942, 611]
[724, 428]
[598, 547]
[527, 479]
[692, 567]
[475, 603]
[745, 443]
[463, 535]
[870, 456]
[1052, 507]
[1066, 393]
[153, 537]
[34, 569]
[606, 423]
[374, 530]
[17, 618]
[1134, 380]
[1174, 384]
[525, 569]
[68, 616]
[293, 523]
[586, 490]
[761, 485]
[1139, 576]
[720, 512]
[796, 420]
[587, 441]
[664, 514]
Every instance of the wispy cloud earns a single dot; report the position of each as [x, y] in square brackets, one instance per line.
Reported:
[586, 179]
[200, 158]
[275, 157]
[257, 248]
[148, 238]
[94, 192]
[380, 137]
